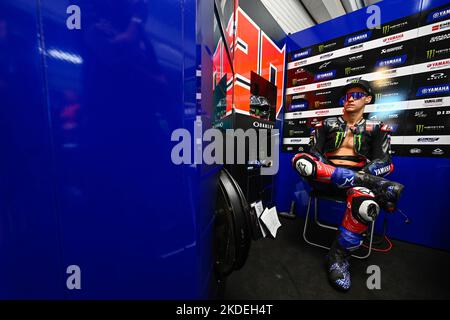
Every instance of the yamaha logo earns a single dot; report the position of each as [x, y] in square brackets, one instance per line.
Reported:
[438, 65]
[393, 38]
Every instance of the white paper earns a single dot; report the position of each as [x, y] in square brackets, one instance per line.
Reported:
[270, 219]
[259, 209]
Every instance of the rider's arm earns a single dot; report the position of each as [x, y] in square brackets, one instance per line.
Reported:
[380, 162]
[317, 142]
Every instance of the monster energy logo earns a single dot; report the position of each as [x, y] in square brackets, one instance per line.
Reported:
[378, 96]
[317, 104]
[386, 29]
[321, 47]
[358, 141]
[339, 138]
[348, 70]
[419, 128]
[431, 53]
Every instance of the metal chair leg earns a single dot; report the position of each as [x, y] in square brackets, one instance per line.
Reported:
[305, 228]
[316, 217]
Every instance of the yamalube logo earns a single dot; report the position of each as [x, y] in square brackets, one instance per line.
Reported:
[433, 102]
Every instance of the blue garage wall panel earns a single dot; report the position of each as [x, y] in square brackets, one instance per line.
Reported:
[117, 91]
[30, 260]
[87, 177]
[427, 180]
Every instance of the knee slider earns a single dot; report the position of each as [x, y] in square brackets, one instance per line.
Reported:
[364, 207]
[304, 164]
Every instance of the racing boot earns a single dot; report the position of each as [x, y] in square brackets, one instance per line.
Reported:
[339, 266]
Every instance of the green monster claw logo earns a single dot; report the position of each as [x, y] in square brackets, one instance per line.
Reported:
[339, 138]
[358, 141]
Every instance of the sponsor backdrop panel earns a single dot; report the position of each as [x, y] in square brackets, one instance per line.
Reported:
[407, 59]
[408, 64]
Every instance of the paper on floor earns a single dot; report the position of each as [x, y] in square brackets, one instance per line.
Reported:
[270, 219]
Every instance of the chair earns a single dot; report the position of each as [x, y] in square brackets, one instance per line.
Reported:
[316, 195]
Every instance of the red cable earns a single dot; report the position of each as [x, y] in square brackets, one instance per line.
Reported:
[382, 250]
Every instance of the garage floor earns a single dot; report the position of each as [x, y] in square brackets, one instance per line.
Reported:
[288, 268]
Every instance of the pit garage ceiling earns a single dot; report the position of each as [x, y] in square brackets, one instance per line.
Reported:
[296, 15]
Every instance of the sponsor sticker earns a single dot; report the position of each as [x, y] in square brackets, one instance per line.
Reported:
[325, 75]
[438, 15]
[438, 152]
[438, 65]
[390, 50]
[433, 90]
[390, 62]
[302, 54]
[393, 38]
[358, 38]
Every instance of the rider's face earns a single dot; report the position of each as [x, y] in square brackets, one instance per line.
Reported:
[355, 105]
